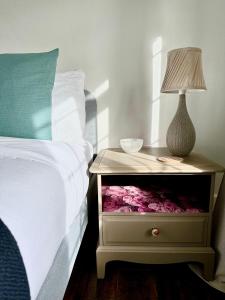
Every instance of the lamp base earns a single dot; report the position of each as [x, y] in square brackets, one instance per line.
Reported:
[180, 136]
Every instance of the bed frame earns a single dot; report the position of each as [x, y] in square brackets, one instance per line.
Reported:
[58, 276]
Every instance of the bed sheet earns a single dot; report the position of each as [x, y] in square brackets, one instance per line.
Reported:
[42, 186]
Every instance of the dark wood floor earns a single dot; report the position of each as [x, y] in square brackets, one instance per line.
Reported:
[129, 281]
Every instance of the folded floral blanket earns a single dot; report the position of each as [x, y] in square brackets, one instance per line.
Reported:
[152, 199]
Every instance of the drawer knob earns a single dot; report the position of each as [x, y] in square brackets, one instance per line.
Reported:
[155, 231]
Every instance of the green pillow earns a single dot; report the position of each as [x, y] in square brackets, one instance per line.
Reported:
[26, 83]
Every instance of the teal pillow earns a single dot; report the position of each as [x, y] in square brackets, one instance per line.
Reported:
[26, 83]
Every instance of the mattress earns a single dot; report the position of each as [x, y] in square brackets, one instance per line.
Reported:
[42, 187]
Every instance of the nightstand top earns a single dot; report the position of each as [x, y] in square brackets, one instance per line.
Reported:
[115, 161]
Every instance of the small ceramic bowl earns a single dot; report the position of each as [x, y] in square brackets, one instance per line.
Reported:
[131, 145]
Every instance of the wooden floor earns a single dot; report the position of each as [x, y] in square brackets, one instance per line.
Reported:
[129, 281]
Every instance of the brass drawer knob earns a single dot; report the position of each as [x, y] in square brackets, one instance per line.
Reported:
[155, 231]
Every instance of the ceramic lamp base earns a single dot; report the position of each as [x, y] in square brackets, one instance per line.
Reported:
[180, 137]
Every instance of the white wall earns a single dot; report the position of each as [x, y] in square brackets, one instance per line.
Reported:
[112, 41]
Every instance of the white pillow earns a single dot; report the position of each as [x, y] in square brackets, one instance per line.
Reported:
[68, 107]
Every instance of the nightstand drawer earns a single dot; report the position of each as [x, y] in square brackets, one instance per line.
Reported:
[147, 230]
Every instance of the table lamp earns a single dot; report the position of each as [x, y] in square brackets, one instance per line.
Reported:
[183, 73]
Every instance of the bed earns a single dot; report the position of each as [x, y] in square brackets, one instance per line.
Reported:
[43, 188]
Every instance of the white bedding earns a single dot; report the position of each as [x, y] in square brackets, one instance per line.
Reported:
[42, 186]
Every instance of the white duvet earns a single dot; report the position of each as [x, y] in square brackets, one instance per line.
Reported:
[42, 185]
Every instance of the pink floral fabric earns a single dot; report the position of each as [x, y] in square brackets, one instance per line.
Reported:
[134, 199]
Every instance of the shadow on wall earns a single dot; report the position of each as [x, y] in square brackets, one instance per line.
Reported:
[156, 84]
[91, 119]
[103, 117]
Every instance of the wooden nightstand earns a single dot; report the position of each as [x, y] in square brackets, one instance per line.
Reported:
[156, 237]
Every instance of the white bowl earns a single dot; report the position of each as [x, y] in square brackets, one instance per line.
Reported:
[131, 145]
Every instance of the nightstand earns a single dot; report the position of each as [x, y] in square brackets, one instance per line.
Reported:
[156, 237]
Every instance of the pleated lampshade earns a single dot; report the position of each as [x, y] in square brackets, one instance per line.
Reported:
[184, 71]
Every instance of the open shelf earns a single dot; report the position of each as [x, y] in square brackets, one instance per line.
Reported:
[186, 193]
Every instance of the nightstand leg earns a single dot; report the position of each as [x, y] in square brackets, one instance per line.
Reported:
[100, 265]
[208, 268]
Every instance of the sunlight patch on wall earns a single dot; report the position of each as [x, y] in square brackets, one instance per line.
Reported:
[101, 89]
[156, 84]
